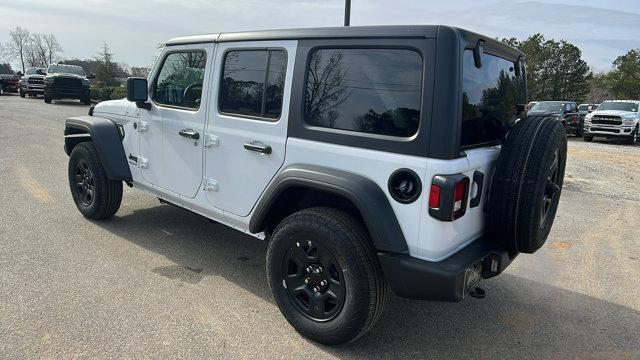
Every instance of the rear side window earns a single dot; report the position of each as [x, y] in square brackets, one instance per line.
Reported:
[180, 80]
[489, 99]
[253, 83]
[375, 91]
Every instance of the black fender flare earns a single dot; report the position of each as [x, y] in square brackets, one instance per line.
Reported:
[106, 138]
[364, 193]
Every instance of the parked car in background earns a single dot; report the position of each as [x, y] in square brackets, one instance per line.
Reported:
[32, 83]
[8, 83]
[614, 119]
[563, 111]
[67, 82]
[530, 105]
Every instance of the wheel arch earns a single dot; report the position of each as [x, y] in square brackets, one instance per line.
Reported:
[302, 186]
[107, 140]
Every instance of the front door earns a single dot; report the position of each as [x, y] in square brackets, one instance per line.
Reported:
[247, 130]
[178, 89]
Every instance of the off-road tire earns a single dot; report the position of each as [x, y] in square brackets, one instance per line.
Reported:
[527, 183]
[587, 138]
[633, 139]
[107, 194]
[47, 100]
[351, 246]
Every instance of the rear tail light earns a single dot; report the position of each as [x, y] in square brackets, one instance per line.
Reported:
[460, 197]
[434, 197]
[448, 196]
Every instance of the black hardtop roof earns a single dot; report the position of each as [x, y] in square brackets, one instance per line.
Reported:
[377, 31]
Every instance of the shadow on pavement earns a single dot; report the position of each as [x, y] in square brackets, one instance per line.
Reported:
[519, 318]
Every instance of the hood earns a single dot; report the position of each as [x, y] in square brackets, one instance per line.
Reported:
[116, 107]
[61, 75]
[612, 112]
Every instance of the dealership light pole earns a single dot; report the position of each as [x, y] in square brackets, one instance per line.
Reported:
[347, 12]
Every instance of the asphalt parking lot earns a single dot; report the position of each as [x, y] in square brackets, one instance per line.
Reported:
[158, 282]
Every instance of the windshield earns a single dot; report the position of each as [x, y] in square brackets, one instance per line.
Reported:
[548, 105]
[66, 69]
[583, 108]
[31, 71]
[618, 105]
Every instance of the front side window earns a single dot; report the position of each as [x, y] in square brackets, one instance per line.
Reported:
[374, 91]
[179, 82]
[490, 98]
[253, 83]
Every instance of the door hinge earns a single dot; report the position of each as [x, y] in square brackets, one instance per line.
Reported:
[142, 126]
[143, 163]
[210, 184]
[211, 140]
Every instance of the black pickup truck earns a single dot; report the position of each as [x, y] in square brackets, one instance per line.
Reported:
[67, 82]
[564, 111]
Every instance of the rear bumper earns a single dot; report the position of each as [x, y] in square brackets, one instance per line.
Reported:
[447, 280]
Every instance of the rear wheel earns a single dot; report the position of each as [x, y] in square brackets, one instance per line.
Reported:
[526, 186]
[94, 194]
[324, 275]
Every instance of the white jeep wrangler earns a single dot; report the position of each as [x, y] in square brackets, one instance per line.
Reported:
[368, 157]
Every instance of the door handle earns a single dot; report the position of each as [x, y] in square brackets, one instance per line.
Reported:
[258, 147]
[189, 133]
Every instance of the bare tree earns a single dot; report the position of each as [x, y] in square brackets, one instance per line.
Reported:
[53, 47]
[36, 51]
[18, 44]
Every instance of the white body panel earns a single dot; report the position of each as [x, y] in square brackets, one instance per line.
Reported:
[176, 167]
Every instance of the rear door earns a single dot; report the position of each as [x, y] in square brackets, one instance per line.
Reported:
[247, 129]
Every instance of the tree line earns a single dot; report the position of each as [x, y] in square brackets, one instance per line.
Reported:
[556, 71]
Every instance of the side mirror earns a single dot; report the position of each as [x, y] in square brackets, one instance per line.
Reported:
[19, 73]
[91, 76]
[138, 92]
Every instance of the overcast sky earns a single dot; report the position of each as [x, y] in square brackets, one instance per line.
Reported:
[133, 29]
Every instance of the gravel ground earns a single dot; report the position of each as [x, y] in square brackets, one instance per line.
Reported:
[157, 282]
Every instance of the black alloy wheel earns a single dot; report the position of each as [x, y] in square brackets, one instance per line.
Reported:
[313, 280]
[551, 191]
[85, 185]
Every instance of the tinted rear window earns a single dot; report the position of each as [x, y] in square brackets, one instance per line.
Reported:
[253, 83]
[375, 91]
[489, 99]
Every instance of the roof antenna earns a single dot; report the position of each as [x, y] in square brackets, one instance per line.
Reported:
[347, 12]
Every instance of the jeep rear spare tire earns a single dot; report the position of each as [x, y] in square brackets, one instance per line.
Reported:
[526, 186]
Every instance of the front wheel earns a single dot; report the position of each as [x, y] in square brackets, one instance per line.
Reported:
[633, 139]
[86, 101]
[22, 94]
[587, 138]
[94, 194]
[47, 100]
[324, 275]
